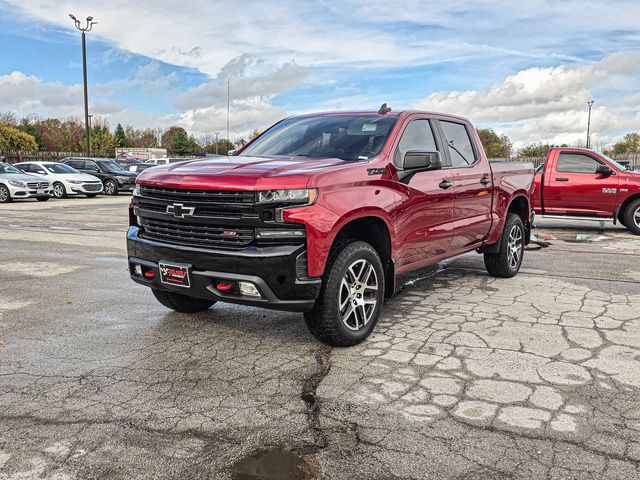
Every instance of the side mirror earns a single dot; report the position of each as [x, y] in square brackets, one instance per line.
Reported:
[604, 170]
[417, 161]
[232, 152]
[41, 172]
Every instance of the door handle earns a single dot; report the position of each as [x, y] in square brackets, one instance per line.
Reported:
[485, 180]
[562, 179]
[444, 184]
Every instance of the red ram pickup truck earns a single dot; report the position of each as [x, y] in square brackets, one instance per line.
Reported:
[581, 183]
[321, 213]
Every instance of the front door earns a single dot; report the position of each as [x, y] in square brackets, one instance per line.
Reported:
[574, 187]
[424, 223]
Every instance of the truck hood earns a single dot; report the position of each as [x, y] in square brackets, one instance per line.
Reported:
[239, 173]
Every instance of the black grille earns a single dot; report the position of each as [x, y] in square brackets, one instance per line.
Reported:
[196, 234]
[212, 204]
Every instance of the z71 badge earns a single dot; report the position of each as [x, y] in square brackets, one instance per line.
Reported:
[609, 190]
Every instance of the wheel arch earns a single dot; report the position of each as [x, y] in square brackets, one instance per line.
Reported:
[621, 209]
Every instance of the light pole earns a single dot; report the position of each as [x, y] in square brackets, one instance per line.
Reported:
[90, 128]
[86, 28]
[589, 123]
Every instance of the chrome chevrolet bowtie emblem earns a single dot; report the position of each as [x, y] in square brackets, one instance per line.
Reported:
[179, 210]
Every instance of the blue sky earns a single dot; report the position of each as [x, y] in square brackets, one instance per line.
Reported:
[525, 69]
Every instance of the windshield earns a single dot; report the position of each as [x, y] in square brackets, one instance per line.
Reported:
[60, 168]
[616, 164]
[6, 168]
[348, 137]
[110, 166]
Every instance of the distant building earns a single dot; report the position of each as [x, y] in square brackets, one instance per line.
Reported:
[142, 154]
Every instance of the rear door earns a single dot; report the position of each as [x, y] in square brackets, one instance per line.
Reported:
[471, 176]
[424, 221]
[574, 188]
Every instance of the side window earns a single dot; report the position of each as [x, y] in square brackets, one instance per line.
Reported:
[416, 136]
[576, 163]
[25, 167]
[458, 143]
[75, 164]
[90, 166]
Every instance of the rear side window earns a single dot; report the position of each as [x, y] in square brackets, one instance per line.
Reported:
[458, 143]
[75, 164]
[90, 166]
[577, 163]
[25, 167]
[417, 136]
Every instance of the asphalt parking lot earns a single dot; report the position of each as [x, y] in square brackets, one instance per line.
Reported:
[466, 376]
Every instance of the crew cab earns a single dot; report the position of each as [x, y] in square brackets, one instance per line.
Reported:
[581, 183]
[322, 212]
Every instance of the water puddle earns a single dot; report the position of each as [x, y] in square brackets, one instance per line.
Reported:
[582, 237]
[276, 464]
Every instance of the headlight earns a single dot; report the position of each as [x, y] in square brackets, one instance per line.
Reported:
[303, 196]
[136, 190]
[75, 182]
[17, 183]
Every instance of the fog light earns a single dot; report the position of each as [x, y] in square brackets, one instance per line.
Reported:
[137, 269]
[249, 289]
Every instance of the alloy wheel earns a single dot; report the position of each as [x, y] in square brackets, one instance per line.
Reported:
[636, 217]
[109, 188]
[358, 295]
[4, 194]
[515, 246]
[58, 190]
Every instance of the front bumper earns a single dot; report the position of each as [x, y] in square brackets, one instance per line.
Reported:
[128, 184]
[84, 188]
[275, 271]
[26, 192]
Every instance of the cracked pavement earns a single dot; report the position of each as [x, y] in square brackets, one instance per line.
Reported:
[465, 376]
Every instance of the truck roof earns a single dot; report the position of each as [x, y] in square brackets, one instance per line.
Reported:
[399, 113]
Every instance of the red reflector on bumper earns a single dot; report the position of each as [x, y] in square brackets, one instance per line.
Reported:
[223, 287]
[149, 274]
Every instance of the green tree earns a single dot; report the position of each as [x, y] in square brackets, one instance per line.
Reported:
[495, 146]
[103, 142]
[27, 125]
[178, 142]
[121, 138]
[534, 150]
[12, 139]
[140, 138]
[220, 147]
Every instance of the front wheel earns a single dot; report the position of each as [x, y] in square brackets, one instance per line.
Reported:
[351, 297]
[110, 187]
[5, 195]
[506, 263]
[632, 217]
[182, 303]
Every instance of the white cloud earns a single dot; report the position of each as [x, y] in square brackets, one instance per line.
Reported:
[549, 104]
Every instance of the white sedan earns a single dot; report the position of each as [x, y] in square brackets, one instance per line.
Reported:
[66, 180]
[14, 184]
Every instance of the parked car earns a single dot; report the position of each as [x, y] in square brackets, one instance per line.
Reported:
[139, 167]
[166, 161]
[65, 179]
[14, 184]
[321, 213]
[114, 177]
[581, 183]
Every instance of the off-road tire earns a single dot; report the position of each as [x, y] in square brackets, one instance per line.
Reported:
[499, 264]
[325, 321]
[632, 217]
[5, 195]
[60, 188]
[182, 303]
[112, 188]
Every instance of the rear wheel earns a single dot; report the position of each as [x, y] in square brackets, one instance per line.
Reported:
[632, 217]
[59, 191]
[351, 297]
[182, 303]
[507, 261]
[110, 187]
[5, 196]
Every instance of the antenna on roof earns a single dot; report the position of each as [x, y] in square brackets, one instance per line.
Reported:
[384, 109]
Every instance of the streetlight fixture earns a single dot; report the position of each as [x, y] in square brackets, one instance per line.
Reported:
[87, 28]
[590, 103]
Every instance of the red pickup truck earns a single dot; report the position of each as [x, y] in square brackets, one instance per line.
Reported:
[322, 212]
[581, 183]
